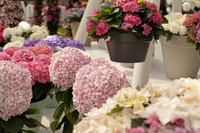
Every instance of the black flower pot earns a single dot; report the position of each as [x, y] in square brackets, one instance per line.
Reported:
[128, 50]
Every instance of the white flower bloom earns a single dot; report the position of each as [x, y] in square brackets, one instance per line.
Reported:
[169, 2]
[166, 27]
[17, 38]
[24, 26]
[13, 44]
[183, 31]
[197, 4]
[16, 32]
[7, 33]
[34, 35]
[169, 10]
[34, 28]
[174, 28]
[186, 6]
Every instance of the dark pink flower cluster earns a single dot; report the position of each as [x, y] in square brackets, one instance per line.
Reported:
[102, 28]
[65, 64]
[11, 50]
[4, 56]
[38, 9]
[192, 23]
[41, 49]
[15, 90]
[1, 34]
[132, 6]
[96, 82]
[147, 29]
[131, 20]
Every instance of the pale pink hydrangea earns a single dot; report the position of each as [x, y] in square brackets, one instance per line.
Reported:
[41, 49]
[11, 50]
[132, 6]
[102, 28]
[22, 55]
[65, 64]
[136, 130]
[122, 2]
[151, 6]
[126, 25]
[180, 130]
[15, 89]
[153, 121]
[89, 24]
[156, 17]
[147, 29]
[96, 82]
[4, 56]
[134, 19]
[198, 36]
[43, 58]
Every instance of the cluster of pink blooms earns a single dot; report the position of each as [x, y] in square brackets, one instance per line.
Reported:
[4, 56]
[102, 28]
[11, 13]
[131, 20]
[155, 126]
[36, 59]
[15, 89]
[192, 22]
[1, 34]
[96, 82]
[65, 64]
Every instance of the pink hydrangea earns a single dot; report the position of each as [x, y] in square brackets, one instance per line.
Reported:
[4, 56]
[180, 130]
[136, 130]
[15, 89]
[22, 55]
[132, 6]
[134, 19]
[156, 17]
[102, 28]
[96, 82]
[96, 11]
[29, 48]
[89, 24]
[122, 2]
[126, 25]
[198, 36]
[41, 49]
[153, 121]
[65, 64]
[147, 29]
[151, 6]
[11, 50]
[43, 58]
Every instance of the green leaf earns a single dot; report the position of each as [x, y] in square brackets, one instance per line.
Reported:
[53, 125]
[197, 46]
[116, 23]
[59, 96]
[72, 116]
[28, 131]
[105, 8]
[93, 18]
[28, 122]
[115, 10]
[67, 96]
[2, 130]
[165, 21]
[31, 111]
[68, 127]
[169, 36]
[13, 125]
[37, 122]
[117, 14]
[92, 30]
[116, 110]
[146, 15]
[59, 111]
[138, 88]
[60, 123]
[137, 122]
[189, 40]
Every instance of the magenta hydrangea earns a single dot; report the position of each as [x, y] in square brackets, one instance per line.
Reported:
[132, 6]
[43, 58]
[11, 50]
[147, 29]
[102, 28]
[4, 56]
[134, 19]
[151, 6]
[96, 82]
[22, 55]
[156, 18]
[41, 49]
[89, 24]
[65, 64]
[15, 89]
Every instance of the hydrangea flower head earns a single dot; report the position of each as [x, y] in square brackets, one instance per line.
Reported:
[23, 55]
[96, 82]
[102, 28]
[15, 89]
[41, 49]
[31, 42]
[4, 56]
[65, 64]
[11, 50]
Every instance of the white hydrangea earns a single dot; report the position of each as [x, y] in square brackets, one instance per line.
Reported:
[169, 2]
[24, 26]
[34, 28]
[169, 9]
[197, 4]
[174, 28]
[13, 44]
[16, 31]
[186, 6]
[17, 38]
[183, 31]
[7, 33]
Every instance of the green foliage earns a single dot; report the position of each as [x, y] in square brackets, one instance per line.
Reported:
[137, 122]
[116, 110]
[71, 115]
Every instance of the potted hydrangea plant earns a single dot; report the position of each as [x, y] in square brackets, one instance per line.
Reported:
[175, 48]
[131, 26]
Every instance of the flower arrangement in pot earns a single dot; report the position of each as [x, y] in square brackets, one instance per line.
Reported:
[175, 48]
[127, 22]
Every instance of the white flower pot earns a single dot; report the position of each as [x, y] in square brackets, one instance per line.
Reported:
[74, 27]
[37, 105]
[128, 65]
[180, 58]
[102, 44]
